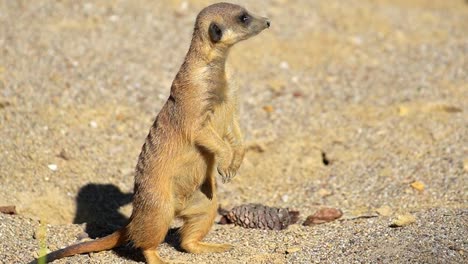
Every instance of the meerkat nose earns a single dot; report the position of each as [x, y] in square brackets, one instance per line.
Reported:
[268, 23]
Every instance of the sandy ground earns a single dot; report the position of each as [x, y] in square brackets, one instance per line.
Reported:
[345, 104]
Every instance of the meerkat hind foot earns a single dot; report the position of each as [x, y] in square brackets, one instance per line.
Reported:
[203, 247]
[152, 257]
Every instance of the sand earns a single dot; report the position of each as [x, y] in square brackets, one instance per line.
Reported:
[358, 105]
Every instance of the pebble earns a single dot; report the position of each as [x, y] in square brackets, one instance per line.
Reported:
[324, 192]
[113, 18]
[292, 250]
[64, 155]
[384, 210]
[284, 65]
[52, 167]
[93, 124]
[403, 220]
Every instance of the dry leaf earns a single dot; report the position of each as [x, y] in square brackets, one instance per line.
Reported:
[10, 209]
[4, 104]
[445, 108]
[323, 215]
[417, 185]
[403, 111]
[256, 147]
[268, 108]
[298, 94]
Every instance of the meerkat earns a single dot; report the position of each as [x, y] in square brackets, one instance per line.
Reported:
[196, 132]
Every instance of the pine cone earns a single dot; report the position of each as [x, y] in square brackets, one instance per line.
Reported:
[260, 216]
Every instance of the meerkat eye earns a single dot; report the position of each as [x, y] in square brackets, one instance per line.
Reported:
[244, 18]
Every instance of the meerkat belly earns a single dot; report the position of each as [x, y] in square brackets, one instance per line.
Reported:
[195, 166]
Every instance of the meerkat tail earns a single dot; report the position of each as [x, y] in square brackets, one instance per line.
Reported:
[108, 242]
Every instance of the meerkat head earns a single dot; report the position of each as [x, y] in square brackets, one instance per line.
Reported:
[225, 24]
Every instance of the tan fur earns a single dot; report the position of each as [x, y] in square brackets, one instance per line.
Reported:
[196, 132]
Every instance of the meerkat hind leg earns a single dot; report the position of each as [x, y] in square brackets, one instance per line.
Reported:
[198, 219]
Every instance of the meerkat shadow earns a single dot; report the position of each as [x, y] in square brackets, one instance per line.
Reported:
[98, 206]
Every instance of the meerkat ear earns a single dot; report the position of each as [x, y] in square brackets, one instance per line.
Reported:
[215, 32]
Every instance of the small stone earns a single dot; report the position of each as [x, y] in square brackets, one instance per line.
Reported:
[64, 154]
[417, 185]
[356, 40]
[52, 167]
[331, 78]
[276, 86]
[292, 250]
[285, 198]
[403, 220]
[384, 210]
[182, 10]
[88, 6]
[82, 235]
[93, 124]
[184, 5]
[114, 18]
[284, 65]
[324, 192]
[52, 247]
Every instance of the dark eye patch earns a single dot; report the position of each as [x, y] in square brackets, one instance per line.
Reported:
[245, 18]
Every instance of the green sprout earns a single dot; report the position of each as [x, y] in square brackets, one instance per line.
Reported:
[41, 235]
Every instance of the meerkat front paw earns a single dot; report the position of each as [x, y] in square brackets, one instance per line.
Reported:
[238, 157]
[225, 169]
[227, 173]
[230, 171]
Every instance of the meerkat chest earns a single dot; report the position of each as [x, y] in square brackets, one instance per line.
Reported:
[222, 116]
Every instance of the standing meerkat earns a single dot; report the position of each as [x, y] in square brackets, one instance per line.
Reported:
[196, 132]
